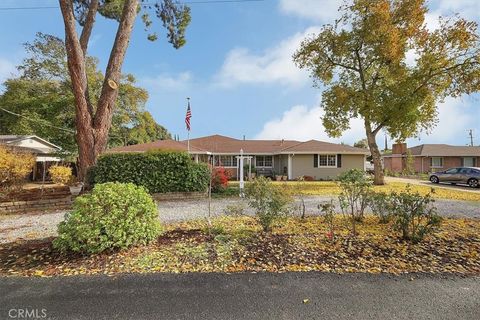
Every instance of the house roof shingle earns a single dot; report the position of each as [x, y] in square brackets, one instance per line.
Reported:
[159, 144]
[321, 146]
[227, 145]
[444, 150]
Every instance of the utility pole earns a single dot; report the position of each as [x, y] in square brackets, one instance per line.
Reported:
[470, 134]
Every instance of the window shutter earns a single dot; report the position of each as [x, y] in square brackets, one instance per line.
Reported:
[463, 162]
[339, 160]
[315, 160]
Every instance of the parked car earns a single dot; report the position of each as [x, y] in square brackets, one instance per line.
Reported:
[462, 175]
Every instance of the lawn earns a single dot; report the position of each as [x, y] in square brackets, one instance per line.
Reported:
[321, 188]
[236, 244]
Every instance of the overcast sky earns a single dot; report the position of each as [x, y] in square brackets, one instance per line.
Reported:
[236, 67]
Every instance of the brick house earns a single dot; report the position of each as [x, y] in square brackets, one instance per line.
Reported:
[289, 158]
[431, 157]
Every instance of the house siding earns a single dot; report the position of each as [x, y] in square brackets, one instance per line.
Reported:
[422, 164]
[303, 166]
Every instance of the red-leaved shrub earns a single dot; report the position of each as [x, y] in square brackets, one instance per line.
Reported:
[219, 179]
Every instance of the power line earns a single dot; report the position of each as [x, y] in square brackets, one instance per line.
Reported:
[44, 122]
[144, 4]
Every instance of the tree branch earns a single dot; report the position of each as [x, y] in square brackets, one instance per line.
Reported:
[88, 26]
[109, 92]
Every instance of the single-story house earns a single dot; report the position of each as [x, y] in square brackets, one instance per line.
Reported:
[46, 153]
[431, 157]
[317, 159]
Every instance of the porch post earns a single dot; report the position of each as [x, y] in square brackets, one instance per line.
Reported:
[241, 174]
[196, 158]
[289, 167]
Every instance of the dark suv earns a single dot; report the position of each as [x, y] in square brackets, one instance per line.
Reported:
[463, 175]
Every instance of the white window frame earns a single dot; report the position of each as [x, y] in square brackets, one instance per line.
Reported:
[263, 161]
[474, 161]
[327, 158]
[219, 163]
[435, 166]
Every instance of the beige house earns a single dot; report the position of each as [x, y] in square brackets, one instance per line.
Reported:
[46, 153]
[292, 159]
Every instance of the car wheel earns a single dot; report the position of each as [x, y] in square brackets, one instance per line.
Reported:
[434, 179]
[473, 183]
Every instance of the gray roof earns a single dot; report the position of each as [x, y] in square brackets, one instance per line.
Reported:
[444, 150]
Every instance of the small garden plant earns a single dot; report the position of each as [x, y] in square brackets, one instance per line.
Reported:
[355, 195]
[112, 216]
[414, 214]
[270, 203]
[219, 179]
[380, 204]
[61, 174]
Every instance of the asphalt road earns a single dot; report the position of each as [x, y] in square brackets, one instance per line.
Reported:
[243, 296]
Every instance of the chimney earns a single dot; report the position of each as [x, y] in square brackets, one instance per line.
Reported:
[399, 148]
[283, 140]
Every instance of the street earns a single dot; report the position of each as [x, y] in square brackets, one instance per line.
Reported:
[243, 296]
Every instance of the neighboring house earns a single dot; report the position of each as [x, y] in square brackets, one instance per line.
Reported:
[431, 157]
[45, 152]
[317, 159]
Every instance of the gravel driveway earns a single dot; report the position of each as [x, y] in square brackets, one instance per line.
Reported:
[34, 226]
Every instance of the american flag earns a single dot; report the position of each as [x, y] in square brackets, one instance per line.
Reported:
[188, 116]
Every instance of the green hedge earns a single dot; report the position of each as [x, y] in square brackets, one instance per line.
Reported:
[112, 216]
[157, 171]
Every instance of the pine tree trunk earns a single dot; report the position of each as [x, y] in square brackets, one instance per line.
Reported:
[378, 178]
[93, 126]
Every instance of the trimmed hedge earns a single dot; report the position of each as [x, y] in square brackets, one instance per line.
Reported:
[157, 171]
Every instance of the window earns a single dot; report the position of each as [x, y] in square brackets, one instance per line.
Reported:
[469, 162]
[326, 160]
[466, 171]
[226, 161]
[436, 162]
[263, 161]
[452, 171]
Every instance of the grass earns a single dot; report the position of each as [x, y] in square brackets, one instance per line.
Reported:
[236, 244]
[321, 188]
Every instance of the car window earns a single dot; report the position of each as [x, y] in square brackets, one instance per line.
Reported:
[466, 170]
[475, 171]
[453, 170]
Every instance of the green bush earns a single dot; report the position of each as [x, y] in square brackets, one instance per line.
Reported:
[113, 215]
[414, 215]
[380, 203]
[355, 195]
[157, 171]
[270, 203]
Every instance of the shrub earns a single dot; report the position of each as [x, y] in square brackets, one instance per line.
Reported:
[219, 179]
[157, 171]
[328, 212]
[414, 215]
[113, 215]
[235, 210]
[380, 203]
[270, 202]
[60, 174]
[14, 168]
[354, 197]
